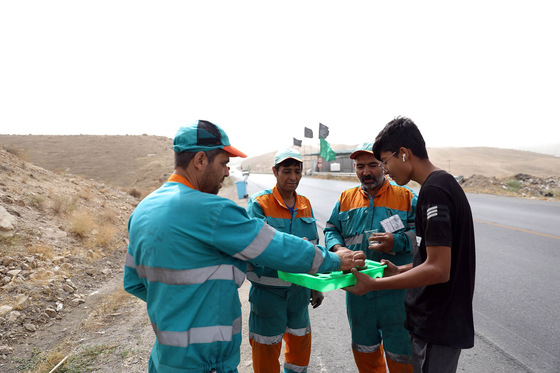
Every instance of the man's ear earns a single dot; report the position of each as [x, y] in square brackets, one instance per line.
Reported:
[405, 153]
[274, 171]
[200, 161]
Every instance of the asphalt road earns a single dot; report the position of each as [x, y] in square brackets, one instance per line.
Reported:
[517, 296]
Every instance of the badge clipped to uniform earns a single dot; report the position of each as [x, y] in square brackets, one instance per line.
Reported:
[392, 224]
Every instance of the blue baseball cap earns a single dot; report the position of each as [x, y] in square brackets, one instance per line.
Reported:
[366, 147]
[287, 153]
[204, 136]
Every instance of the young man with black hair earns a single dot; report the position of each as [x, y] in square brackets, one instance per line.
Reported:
[441, 279]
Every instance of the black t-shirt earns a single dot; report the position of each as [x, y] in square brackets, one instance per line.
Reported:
[442, 313]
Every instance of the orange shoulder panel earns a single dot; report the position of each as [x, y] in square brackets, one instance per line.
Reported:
[396, 198]
[272, 208]
[353, 198]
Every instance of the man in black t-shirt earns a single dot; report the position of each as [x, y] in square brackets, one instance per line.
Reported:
[440, 281]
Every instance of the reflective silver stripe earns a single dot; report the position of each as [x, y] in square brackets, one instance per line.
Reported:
[299, 332]
[208, 334]
[317, 261]
[366, 349]
[412, 237]
[263, 280]
[129, 261]
[191, 276]
[266, 340]
[295, 368]
[259, 244]
[329, 225]
[403, 359]
[354, 240]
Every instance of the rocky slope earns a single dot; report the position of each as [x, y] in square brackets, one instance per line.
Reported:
[60, 237]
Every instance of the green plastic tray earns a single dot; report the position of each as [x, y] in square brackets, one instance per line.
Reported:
[331, 280]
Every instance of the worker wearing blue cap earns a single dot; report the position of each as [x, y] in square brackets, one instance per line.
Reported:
[279, 309]
[188, 252]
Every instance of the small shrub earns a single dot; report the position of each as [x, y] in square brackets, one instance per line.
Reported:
[106, 309]
[20, 153]
[35, 201]
[108, 216]
[85, 194]
[45, 251]
[514, 185]
[82, 224]
[135, 193]
[105, 235]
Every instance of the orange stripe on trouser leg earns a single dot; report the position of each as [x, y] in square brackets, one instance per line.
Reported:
[297, 349]
[395, 367]
[265, 357]
[370, 362]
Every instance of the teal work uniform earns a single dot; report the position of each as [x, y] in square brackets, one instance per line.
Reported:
[187, 257]
[378, 315]
[277, 306]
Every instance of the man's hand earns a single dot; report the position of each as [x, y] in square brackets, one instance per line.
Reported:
[382, 242]
[364, 284]
[350, 259]
[316, 298]
[391, 269]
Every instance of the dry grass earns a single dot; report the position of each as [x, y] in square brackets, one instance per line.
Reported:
[107, 308]
[35, 201]
[105, 235]
[45, 252]
[82, 223]
[85, 194]
[62, 204]
[18, 152]
[41, 277]
[135, 193]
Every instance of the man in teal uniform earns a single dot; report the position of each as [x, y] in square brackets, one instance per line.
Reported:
[376, 318]
[279, 309]
[188, 252]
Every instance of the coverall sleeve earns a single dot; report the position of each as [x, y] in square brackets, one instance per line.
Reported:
[133, 284]
[250, 239]
[131, 281]
[404, 241]
[333, 228]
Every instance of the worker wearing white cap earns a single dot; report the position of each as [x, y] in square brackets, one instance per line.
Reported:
[279, 309]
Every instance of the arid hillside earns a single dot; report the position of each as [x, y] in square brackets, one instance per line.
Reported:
[61, 237]
[140, 162]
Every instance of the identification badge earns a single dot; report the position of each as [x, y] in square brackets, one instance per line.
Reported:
[392, 224]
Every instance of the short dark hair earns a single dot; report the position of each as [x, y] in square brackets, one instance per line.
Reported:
[288, 163]
[400, 132]
[183, 159]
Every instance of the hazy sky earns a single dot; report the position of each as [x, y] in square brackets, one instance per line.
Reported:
[476, 73]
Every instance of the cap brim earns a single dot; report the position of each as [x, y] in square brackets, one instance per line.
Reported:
[355, 154]
[233, 152]
[288, 157]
